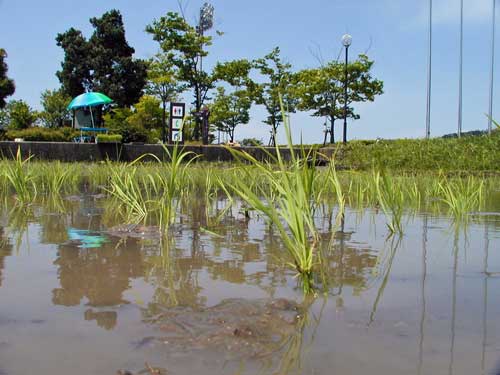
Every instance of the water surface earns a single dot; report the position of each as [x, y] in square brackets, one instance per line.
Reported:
[78, 299]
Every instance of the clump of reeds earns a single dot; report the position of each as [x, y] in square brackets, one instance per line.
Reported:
[462, 196]
[20, 178]
[290, 202]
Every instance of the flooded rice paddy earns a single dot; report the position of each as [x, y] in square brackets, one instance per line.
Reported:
[83, 293]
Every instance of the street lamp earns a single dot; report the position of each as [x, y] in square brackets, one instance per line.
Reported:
[346, 42]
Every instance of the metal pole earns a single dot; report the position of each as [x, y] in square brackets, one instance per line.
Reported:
[490, 111]
[429, 77]
[345, 93]
[460, 80]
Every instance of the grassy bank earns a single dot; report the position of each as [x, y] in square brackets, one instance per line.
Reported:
[467, 154]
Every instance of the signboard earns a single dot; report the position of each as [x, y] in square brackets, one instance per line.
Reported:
[177, 113]
[177, 136]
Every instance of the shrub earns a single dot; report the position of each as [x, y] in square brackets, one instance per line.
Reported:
[65, 134]
[251, 142]
[109, 138]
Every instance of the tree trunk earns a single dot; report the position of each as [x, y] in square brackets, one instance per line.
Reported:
[197, 122]
[164, 123]
[332, 129]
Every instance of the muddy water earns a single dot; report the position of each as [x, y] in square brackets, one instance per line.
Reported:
[80, 295]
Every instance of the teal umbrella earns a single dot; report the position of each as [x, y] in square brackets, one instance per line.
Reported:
[89, 99]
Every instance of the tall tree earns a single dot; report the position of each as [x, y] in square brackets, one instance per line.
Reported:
[7, 86]
[75, 75]
[55, 108]
[231, 107]
[321, 90]
[278, 77]
[163, 83]
[104, 63]
[184, 46]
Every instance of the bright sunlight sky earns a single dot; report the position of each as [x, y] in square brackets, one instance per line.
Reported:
[393, 32]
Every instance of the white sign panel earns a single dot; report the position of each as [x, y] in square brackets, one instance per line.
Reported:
[177, 111]
[176, 136]
[177, 124]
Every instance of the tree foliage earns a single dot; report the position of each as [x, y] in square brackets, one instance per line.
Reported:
[55, 108]
[183, 47]
[147, 113]
[7, 86]
[163, 83]
[321, 90]
[18, 115]
[103, 63]
[231, 106]
[278, 77]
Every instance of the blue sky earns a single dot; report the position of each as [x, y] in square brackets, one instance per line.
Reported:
[393, 31]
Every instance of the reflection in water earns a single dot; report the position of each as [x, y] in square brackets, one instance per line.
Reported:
[422, 297]
[195, 275]
[5, 251]
[394, 245]
[486, 276]
[454, 301]
[86, 239]
[100, 275]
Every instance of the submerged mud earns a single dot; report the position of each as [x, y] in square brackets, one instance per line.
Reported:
[134, 231]
[235, 327]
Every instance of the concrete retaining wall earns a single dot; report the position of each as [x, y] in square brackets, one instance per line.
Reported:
[89, 152]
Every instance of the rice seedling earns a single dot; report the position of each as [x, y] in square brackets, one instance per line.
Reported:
[462, 196]
[20, 178]
[391, 200]
[173, 183]
[124, 187]
[339, 193]
[289, 205]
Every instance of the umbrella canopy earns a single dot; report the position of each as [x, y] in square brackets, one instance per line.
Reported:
[89, 99]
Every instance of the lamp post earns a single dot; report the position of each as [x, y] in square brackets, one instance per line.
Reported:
[206, 23]
[346, 41]
[460, 85]
[429, 77]
[490, 107]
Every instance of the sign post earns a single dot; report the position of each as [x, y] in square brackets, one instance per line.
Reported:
[177, 112]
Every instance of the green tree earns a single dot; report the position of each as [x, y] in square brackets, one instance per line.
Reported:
[75, 75]
[321, 90]
[230, 110]
[104, 63]
[7, 86]
[55, 108]
[18, 115]
[231, 107]
[163, 83]
[278, 77]
[146, 113]
[183, 46]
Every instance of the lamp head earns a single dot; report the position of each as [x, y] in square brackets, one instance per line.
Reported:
[206, 16]
[346, 40]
